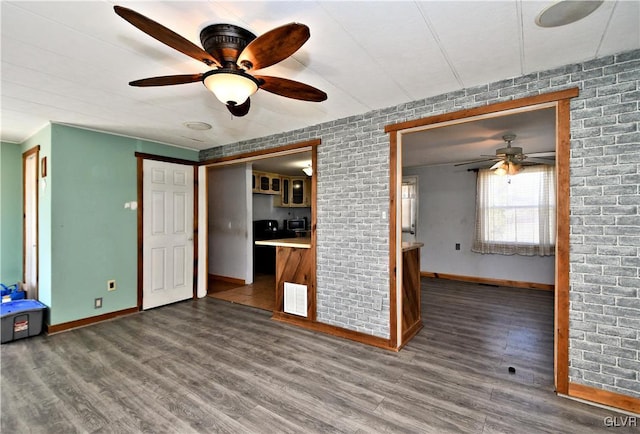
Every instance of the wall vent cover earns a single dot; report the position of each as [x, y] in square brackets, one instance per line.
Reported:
[295, 299]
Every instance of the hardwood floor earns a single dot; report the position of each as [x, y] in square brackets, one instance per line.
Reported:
[260, 294]
[212, 366]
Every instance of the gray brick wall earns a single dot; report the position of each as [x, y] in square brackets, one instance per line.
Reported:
[605, 225]
[353, 193]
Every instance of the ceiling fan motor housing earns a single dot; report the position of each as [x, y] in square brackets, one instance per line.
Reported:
[512, 150]
[510, 153]
[225, 42]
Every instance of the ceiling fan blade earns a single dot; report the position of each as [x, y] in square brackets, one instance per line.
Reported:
[274, 46]
[167, 80]
[166, 36]
[547, 161]
[239, 110]
[290, 88]
[474, 161]
[543, 154]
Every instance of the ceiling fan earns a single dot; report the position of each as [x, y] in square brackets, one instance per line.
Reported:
[510, 159]
[232, 52]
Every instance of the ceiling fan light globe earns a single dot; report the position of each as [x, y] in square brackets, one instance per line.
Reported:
[230, 87]
[500, 171]
[514, 169]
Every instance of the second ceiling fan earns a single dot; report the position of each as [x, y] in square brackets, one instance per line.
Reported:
[510, 159]
[232, 52]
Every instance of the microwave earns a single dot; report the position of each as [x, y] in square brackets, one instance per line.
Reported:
[296, 225]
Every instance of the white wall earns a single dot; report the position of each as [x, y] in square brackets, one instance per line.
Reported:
[229, 222]
[447, 216]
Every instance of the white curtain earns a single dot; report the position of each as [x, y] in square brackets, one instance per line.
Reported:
[516, 214]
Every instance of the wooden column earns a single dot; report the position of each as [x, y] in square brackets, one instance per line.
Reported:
[411, 312]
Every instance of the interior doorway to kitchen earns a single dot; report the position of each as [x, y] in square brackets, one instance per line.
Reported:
[238, 211]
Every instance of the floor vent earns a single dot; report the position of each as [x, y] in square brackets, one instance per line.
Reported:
[295, 299]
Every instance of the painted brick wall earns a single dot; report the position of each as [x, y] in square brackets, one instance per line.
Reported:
[605, 225]
[353, 194]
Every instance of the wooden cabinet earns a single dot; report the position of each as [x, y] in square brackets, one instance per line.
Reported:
[284, 199]
[299, 192]
[411, 303]
[296, 193]
[266, 183]
[288, 191]
[295, 265]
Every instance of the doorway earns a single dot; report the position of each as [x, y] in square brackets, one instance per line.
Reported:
[30, 178]
[560, 102]
[255, 188]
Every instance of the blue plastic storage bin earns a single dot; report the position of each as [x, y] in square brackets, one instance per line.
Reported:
[11, 293]
[21, 319]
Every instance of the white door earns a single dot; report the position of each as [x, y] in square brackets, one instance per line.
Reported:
[30, 241]
[167, 254]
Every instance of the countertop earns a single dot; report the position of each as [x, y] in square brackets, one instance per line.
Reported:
[406, 246]
[297, 242]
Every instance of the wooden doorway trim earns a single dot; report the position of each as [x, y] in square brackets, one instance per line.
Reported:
[560, 100]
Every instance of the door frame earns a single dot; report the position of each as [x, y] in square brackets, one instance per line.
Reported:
[247, 157]
[140, 157]
[560, 100]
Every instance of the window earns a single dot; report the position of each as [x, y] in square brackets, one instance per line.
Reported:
[516, 214]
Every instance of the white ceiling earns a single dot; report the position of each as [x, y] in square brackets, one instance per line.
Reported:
[291, 164]
[70, 62]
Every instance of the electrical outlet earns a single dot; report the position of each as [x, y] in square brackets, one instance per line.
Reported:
[457, 246]
[97, 303]
[111, 285]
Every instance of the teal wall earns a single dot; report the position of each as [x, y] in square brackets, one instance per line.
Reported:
[86, 236]
[94, 238]
[10, 213]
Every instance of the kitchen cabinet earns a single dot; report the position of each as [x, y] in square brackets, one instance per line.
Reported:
[296, 193]
[266, 183]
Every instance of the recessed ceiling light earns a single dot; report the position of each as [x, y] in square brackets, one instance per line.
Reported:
[200, 126]
[566, 12]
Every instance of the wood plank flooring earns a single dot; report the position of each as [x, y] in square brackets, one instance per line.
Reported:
[210, 366]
